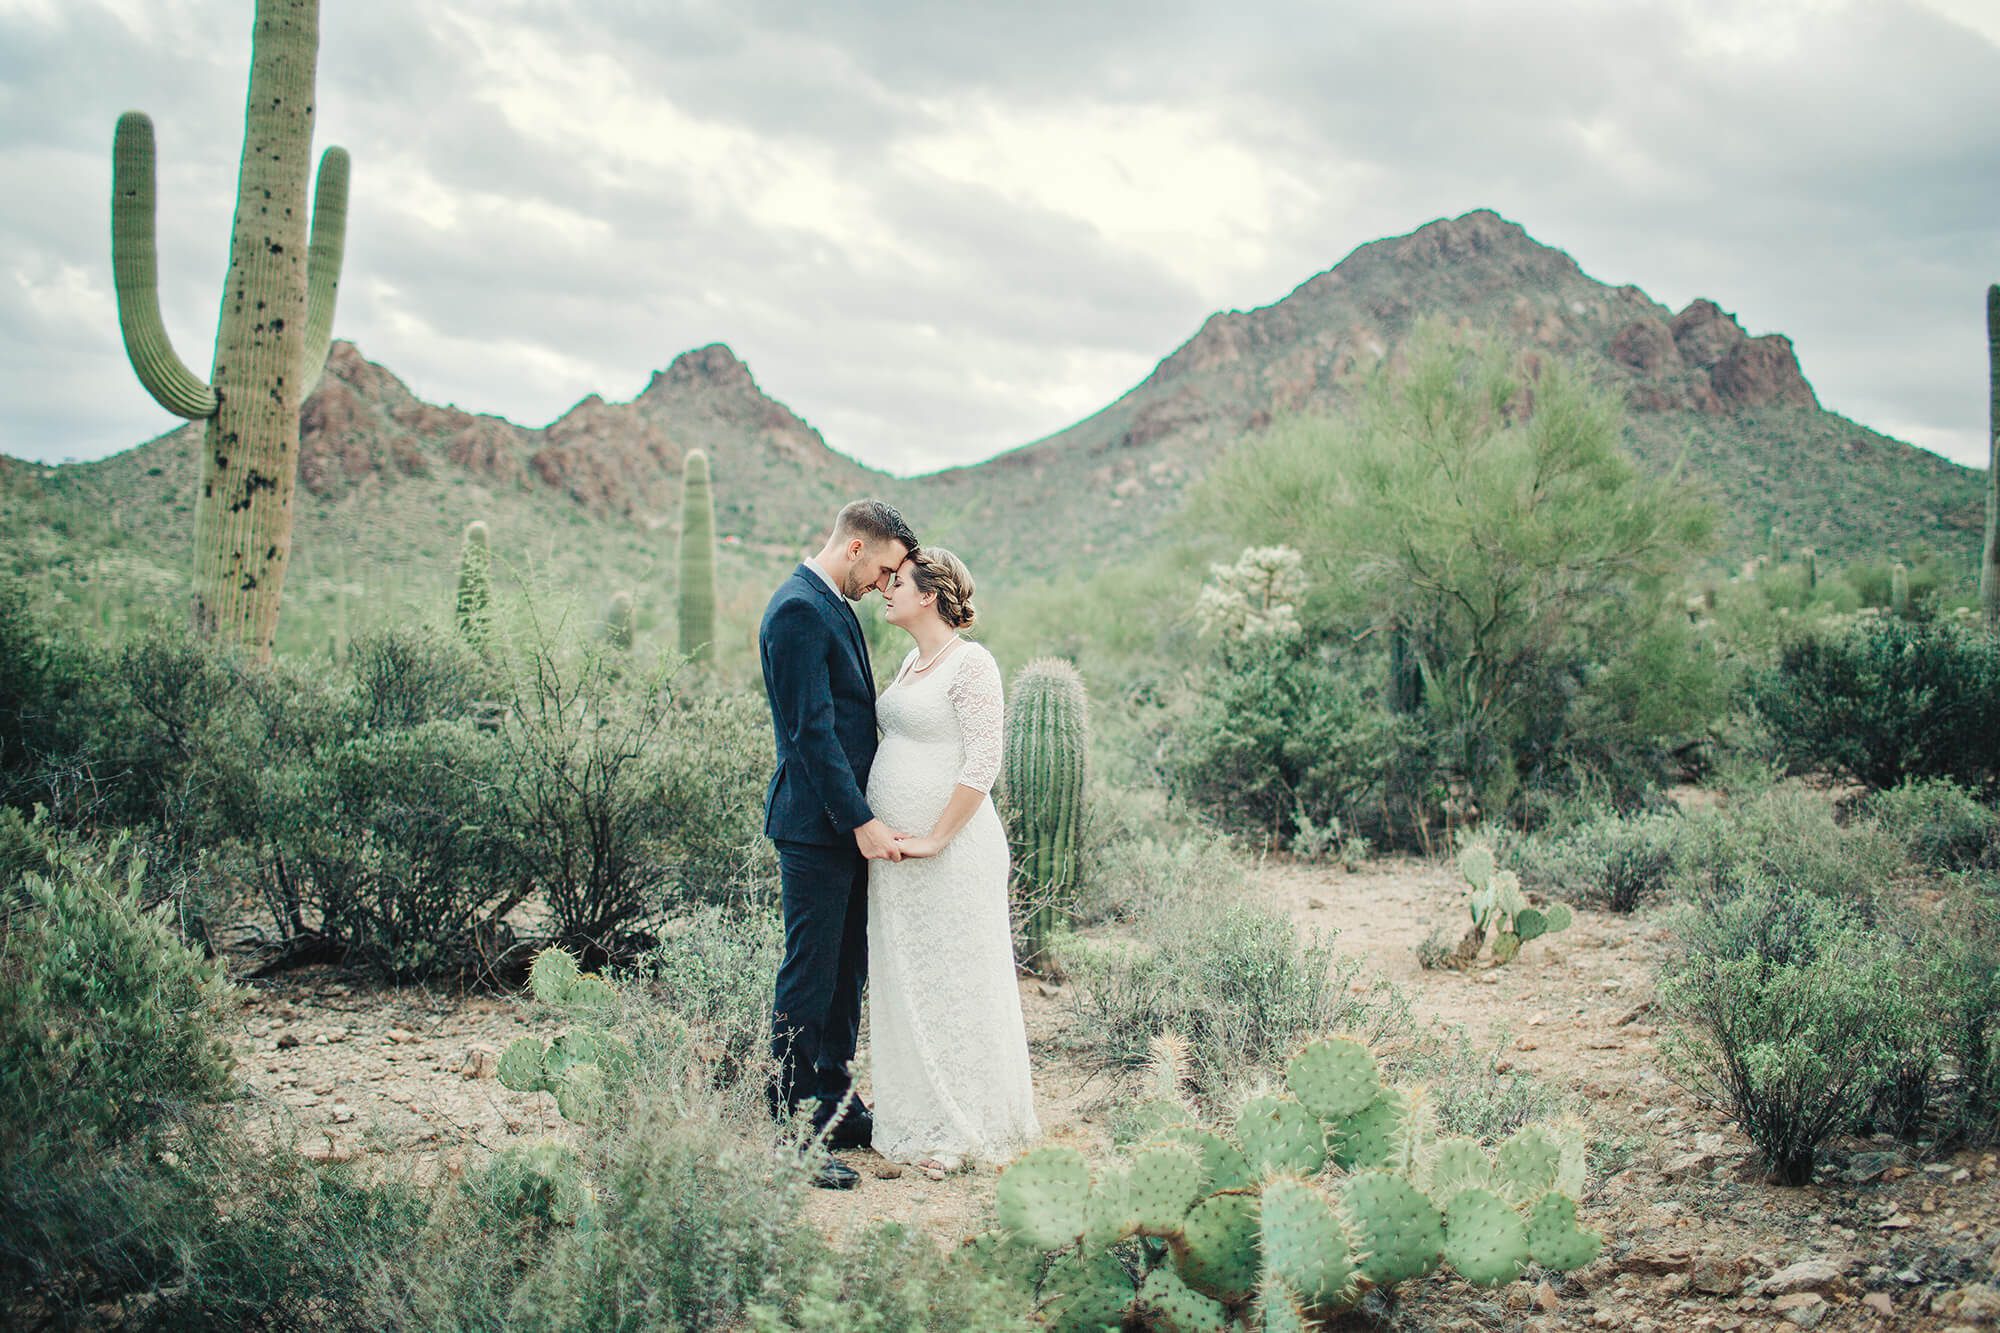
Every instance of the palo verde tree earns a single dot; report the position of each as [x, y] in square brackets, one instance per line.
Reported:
[1478, 509]
[276, 324]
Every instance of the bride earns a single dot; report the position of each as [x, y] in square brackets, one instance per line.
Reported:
[950, 1063]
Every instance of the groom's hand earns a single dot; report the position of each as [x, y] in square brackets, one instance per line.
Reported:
[876, 842]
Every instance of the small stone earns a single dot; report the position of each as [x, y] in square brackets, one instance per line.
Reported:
[319, 1039]
[1866, 1166]
[1975, 1305]
[342, 1113]
[1803, 1308]
[885, 1170]
[1523, 1044]
[1879, 1302]
[1545, 1297]
[1717, 1277]
[480, 1061]
[1806, 1275]
[331, 1149]
[289, 1040]
[1314, 904]
[1690, 1164]
[402, 1036]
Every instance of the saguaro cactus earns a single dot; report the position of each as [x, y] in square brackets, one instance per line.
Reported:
[1047, 748]
[1899, 590]
[1989, 568]
[475, 584]
[697, 600]
[618, 621]
[277, 322]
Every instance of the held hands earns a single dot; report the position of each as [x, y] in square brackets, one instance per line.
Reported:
[878, 843]
[916, 846]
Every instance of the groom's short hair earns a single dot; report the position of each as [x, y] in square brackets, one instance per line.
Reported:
[873, 522]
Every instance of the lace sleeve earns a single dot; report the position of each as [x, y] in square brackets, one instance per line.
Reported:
[975, 697]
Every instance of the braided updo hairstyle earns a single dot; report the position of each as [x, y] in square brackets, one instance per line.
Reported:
[936, 570]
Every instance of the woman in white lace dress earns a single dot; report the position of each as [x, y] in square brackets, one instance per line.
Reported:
[950, 1053]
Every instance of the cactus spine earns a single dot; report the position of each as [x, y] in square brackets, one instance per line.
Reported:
[1899, 590]
[276, 323]
[475, 585]
[1989, 569]
[1047, 745]
[697, 605]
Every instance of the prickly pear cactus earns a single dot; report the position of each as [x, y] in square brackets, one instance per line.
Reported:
[1196, 1231]
[583, 1067]
[1496, 903]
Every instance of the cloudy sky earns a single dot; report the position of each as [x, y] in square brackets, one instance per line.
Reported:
[938, 231]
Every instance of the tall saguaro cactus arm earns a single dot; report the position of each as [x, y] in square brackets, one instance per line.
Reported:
[697, 592]
[1989, 567]
[1044, 775]
[135, 266]
[323, 260]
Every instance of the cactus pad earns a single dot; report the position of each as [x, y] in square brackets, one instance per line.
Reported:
[1334, 1078]
[1452, 1165]
[1371, 1137]
[1484, 1239]
[1475, 862]
[1223, 1164]
[1087, 1294]
[1107, 1213]
[1279, 1308]
[1558, 915]
[1505, 945]
[1043, 1196]
[521, 1066]
[1176, 1307]
[1398, 1230]
[1530, 924]
[1305, 1246]
[1149, 1119]
[1279, 1135]
[1164, 1181]
[581, 1093]
[1555, 1239]
[1527, 1163]
[554, 972]
[1216, 1250]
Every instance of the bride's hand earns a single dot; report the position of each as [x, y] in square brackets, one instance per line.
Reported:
[917, 846]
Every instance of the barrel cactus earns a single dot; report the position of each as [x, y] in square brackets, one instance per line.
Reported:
[276, 325]
[697, 592]
[1046, 754]
[1176, 1236]
[475, 585]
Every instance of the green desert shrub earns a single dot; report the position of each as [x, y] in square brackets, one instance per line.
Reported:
[717, 753]
[1940, 824]
[889, 1279]
[1884, 700]
[1789, 1013]
[1788, 837]
[1614, 861]
[112, 1031]
[714, 968]
[1235, 983]
[405, 675]
[1126, 876]
[42, 672]
[1284, 730]
[402, 844]
[1479, 507]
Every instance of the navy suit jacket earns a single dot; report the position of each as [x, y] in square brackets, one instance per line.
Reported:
[822, 695]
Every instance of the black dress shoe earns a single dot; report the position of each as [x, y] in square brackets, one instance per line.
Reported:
[835, 1175]
[855, 1130]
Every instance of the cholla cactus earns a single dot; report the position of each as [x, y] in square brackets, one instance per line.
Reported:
[1254, 598]
[276, 324]
[1043, 777]
[1250, 1233]
[474, 605]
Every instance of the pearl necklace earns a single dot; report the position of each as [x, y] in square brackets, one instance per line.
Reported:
[922, 666]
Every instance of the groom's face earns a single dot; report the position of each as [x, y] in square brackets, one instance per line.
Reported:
[873, 568]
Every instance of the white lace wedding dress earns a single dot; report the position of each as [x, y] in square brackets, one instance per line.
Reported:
[950, 1053]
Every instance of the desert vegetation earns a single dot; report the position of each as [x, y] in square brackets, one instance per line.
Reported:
[1473, 899]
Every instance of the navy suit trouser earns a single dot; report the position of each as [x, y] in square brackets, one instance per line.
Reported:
[816, 1016]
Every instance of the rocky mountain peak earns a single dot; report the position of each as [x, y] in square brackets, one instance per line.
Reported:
[710, 367]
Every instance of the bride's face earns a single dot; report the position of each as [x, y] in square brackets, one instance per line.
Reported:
[902, 604]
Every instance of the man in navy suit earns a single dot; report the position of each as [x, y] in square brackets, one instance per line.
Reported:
[822, 694]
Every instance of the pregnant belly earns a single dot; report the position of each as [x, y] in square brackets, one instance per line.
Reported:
[911, 782]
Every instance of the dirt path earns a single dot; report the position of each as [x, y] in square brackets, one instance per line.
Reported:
[1888, 1241]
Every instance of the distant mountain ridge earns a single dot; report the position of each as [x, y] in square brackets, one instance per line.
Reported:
[389, 477]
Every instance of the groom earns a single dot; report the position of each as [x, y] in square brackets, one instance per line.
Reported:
[822, 695]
